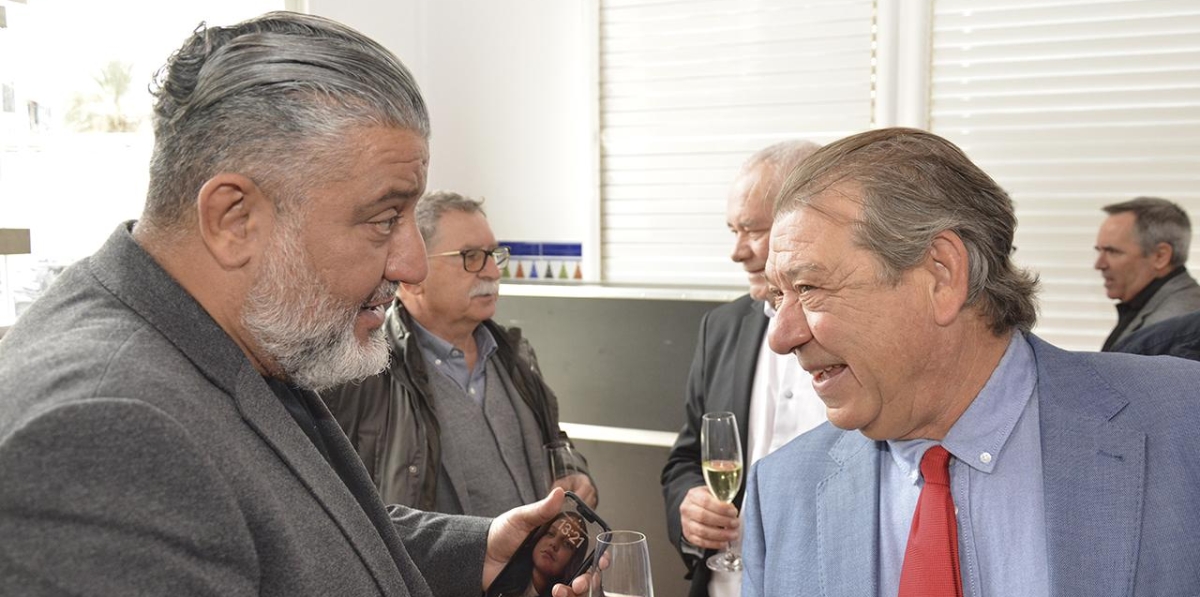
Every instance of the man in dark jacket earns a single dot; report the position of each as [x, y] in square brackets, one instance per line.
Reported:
[1142, 250]
[733, 370]
[1176, 337]
[458, 421]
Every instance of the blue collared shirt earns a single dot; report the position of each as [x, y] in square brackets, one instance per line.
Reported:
[444, 358]
[996, 481]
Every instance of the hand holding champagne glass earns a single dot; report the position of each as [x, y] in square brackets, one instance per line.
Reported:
[721, 459]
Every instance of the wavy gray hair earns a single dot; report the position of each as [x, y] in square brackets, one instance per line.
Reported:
[913, 185]
[271, 98]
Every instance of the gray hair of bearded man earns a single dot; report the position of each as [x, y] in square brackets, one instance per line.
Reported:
[270, 98]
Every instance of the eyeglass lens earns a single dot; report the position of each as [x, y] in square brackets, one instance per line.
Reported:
[475, 259]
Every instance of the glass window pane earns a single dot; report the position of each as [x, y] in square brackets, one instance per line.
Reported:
[75, 134]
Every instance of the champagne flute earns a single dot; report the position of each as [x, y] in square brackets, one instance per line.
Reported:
[721, 459]
[623, 559]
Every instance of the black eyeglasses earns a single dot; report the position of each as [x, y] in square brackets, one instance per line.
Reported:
[475, 259]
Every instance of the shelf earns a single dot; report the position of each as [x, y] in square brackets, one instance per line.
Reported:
[666, 293]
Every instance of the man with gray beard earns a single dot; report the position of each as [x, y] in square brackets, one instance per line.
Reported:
[457, 422]
[160, 433]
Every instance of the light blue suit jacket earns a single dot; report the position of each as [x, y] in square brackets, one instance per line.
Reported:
[1121, 464]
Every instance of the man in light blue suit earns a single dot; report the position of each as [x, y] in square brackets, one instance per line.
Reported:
[1071, 473]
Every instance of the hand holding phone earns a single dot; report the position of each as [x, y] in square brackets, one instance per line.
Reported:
[556, 552]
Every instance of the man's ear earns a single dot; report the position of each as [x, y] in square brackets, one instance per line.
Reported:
[1161, 257]
[235, 219]
[947, 262]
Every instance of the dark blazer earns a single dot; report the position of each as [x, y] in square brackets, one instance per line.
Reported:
[1119, 444]
[1177, 337]
[391, 421]
[142, 454]
[1180, 295]
[721, 379]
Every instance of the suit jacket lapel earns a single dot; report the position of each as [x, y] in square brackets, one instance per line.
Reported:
[1152, 305]
[1178, 284]
[754, 327]
[132, 275]
[261, 410]
[848, 519]
[1094, 473]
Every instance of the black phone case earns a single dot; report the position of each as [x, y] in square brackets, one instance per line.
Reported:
[516, 574]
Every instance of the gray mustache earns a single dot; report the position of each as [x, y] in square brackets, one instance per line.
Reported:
[386, 291]
[484, 288]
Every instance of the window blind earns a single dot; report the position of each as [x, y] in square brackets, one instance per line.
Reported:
[688, 90]
[1071, 105]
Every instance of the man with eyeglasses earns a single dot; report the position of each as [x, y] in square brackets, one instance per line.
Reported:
[457, 421]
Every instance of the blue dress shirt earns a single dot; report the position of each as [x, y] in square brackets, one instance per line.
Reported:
[996, 480]
[443, 357]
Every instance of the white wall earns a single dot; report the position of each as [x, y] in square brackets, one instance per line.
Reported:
[507, 85]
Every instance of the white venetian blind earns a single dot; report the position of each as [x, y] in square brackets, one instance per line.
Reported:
[1072, 105]
[689, 89]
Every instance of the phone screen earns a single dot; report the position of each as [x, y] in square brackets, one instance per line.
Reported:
[553, 553]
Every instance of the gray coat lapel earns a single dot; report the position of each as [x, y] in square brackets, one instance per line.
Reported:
[1094, 473]
[848, 519]
[1156, 302]
[454, 473]
[1178, 296]
[262, 411]
[531, 434]
[132, 275]
[521, 460]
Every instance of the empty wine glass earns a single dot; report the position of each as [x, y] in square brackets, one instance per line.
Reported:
[624, 559]
[721, 459]
[562, 461]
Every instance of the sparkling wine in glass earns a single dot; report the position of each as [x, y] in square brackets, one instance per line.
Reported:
[721, 459]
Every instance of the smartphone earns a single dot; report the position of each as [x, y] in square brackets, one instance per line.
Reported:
[553, 553]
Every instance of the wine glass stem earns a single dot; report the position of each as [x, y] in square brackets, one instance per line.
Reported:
[733, 553]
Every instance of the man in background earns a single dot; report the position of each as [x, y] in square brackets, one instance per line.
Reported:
[733, 370]
[159, 429]
[1143, 247]
[457, 421]
[965, 456]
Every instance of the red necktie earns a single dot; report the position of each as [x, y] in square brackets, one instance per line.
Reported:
[931, 558]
